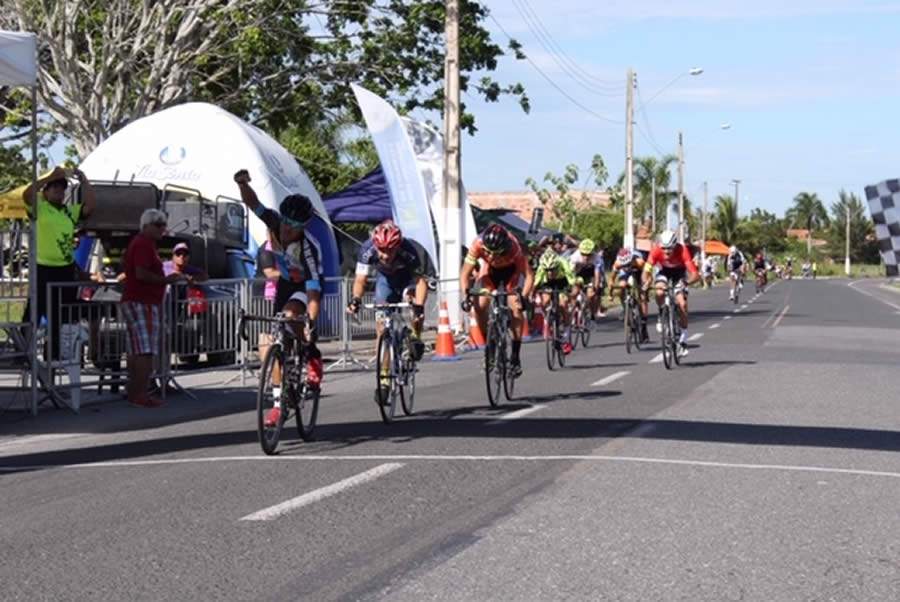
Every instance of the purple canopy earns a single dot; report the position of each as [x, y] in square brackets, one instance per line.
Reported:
[367, 200]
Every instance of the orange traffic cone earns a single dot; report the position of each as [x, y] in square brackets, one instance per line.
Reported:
[445, 350]
[476, 337]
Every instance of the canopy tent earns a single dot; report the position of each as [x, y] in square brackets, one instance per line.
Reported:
[198, 146]
[18, 67]
[365, 201]
[716, 247]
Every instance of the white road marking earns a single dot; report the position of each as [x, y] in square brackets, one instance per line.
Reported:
[744, 306]
[19, 441]
[322, 493]
[859, 290]
[611, 378]
[727, 317]
[657, 359]
[736, 311]
[714, 326]
[780, 316]
[695, 337]
[517, 414]
[460, 458]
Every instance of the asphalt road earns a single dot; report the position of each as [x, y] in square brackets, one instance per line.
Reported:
[764, 468]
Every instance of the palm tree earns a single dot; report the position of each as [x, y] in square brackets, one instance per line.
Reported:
[809, 211]
[725, 219]
[650, 172]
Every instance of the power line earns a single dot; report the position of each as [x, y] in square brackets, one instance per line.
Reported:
[554, 84]
[642, 107]
[578, 74]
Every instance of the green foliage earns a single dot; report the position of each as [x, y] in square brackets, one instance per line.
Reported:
[724, 220]
[761, 230]
[863, 245]
[606, 227]
[564, 202]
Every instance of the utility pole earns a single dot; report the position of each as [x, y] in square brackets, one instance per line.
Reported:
[652, 205]
[737, 184]
[847, 236]
[450, 254]
[680, 187]
[629, 160]
[703, 223]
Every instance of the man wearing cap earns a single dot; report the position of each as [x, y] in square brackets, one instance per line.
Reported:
[180, 264]
[56, 222]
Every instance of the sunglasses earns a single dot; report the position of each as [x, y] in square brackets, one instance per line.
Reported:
[160, 224]
[182, 253]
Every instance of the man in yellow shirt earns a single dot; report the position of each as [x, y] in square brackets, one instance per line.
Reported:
[56, 226]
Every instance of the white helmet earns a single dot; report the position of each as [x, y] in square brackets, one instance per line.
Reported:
[732, 249]
[667, 239]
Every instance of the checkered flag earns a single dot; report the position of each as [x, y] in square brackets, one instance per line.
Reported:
[884, 203]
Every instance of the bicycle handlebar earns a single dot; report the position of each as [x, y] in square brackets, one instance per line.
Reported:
[382, 306]
[277, 319]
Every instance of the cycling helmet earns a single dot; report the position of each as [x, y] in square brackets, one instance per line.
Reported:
[732, 249]
[549, 260]
[586, 246]
[387, 236]
[668, 239]
[296, 209]
[496, 239]
[624, 254]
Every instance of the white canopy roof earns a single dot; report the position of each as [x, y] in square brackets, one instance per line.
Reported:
[18, 59]
[200, 146]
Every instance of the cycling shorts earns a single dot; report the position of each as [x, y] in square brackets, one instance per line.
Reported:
[560, 284]
[671, 274]
[390, 289]
[496, 278]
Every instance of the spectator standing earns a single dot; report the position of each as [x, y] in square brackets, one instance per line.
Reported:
[181, 264]
[145, 287]
[267, 268]
[56, 226]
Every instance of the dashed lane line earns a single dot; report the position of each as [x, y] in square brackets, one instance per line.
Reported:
[610, 379]
[461, 458]
[306, 499]
[780, 316]
[695, 337]
[714, 326]
[656, 359]
[517, 414]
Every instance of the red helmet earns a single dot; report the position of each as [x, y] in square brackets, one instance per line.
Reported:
[387, 236]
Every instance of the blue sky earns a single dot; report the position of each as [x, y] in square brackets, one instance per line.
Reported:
[811, 90]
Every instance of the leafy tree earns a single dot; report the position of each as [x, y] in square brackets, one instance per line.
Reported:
[282, 64]
[761, 230]
[650, 171]
[606, 227]
[863, 246]
[564, 202]
[809, 212]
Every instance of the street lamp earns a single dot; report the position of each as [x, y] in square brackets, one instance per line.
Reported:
[693, 72]
[737, 184]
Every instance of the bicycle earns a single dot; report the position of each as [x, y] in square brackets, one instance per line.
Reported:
[634, 320]
[736, 286]
[760, 281]
[498, 351]
[289, 354]
[554, 340]
[671, 327]
[396, 358]
[581, 326]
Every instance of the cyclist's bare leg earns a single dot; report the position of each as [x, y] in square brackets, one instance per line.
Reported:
[681, 302]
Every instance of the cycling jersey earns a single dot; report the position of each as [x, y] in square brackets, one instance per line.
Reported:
[735, 261]
[759, 264]
[634, 263]
[299, 264]
[391, 279]
[562, 273]
[498, 269]
[679, 258]
[586, 266]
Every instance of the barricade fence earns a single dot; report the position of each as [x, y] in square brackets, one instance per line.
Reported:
[14, 292]
[83, 341]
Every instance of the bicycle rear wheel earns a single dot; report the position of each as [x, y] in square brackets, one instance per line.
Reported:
[307, 408]
[509, 381]
[408, 376]
[265, 400]
[575, 326]
[676, 337]
[493, 369]
[384, 364]
[585, 326]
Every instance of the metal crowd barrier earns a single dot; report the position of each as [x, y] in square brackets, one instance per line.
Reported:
[87, 340]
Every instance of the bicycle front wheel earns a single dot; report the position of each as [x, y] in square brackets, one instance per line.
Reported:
[551, 340]
[408, 376]
[509, 380]
[494, 365]
[629, 326]
[666, 338]
[307, 408]
[385, 372]
[266, 397]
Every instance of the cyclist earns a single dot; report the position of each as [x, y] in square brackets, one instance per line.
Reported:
[788, 267]
[736, 264]
[299, 287]
[555, 272]
[503, 264]
[587, 263]
[395, 263]
[760, 267]
[629, 263]
[676, 268]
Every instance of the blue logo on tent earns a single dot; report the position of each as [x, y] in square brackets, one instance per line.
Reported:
[172, 157]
